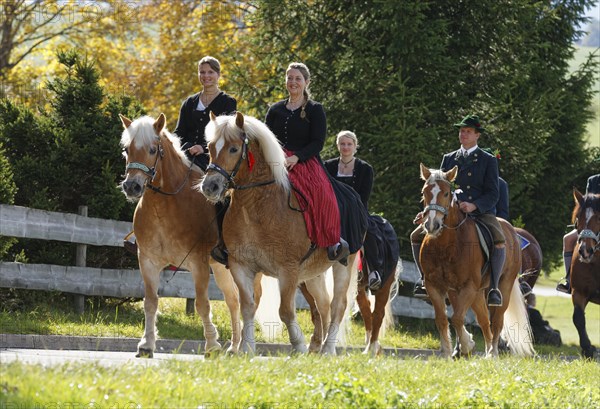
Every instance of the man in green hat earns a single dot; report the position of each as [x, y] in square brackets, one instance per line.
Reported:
[477, 180]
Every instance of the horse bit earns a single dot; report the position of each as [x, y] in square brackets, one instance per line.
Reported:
[151, 172]
[230, 176]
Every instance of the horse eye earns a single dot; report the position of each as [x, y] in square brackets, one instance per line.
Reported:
[153, 150]
[233, 149]
[446, 194]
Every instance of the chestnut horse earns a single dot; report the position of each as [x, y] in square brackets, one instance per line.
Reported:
[531, 258]
[452, 263]
[585, 266]
[264, 229]
[174, 224]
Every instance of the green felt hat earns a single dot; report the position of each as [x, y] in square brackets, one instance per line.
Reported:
[470, 121]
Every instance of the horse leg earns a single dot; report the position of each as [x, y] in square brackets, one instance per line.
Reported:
[460, 304]
[497, 322]
[151, 275]
[579, 304]
[321, 315]
[438, 300]
[364, 306]
[231, 295]
[201, 274]
[287, 312]
[244, 279]
[342, 276]
[381, 299]
[480, 309]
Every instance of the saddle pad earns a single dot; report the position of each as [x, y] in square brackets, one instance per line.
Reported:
[524, 242]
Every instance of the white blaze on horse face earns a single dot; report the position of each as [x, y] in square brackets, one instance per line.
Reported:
[589, 213]
[432, 214]
[219, 145]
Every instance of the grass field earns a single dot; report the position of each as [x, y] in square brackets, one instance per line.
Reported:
[351, 381]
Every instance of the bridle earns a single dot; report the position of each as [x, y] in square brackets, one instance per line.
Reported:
[230, 177]
[444, 210]
[589, 234]
[151, 172]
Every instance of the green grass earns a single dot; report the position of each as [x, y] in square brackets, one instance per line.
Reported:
[112, 319]
[351, 381]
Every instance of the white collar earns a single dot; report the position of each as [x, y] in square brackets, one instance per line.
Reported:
[468, 151]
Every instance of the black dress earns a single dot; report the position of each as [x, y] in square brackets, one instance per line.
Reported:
[192, 123]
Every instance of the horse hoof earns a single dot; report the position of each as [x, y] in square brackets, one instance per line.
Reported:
[588, 353]
[144, 353]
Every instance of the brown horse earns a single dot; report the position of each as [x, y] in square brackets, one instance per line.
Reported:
[452, 263]
[174, 224]
[263, 229]
[531, 258]
[585, 266]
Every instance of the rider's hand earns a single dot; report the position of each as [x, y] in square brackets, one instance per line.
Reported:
[419, 218]
[467, 207]
[291, 161]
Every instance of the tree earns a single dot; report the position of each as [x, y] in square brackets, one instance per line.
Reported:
[7, 194]
[78, 140]
[400, 73]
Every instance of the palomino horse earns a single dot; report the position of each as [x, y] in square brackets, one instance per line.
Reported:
[452, 262]
[531, 258]
[585, 266]
[174, 224]
[264, 229]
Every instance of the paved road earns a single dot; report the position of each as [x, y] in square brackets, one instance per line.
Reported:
[549, 292]
[50, 357]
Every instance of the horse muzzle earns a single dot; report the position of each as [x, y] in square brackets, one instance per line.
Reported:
[132, 188]
[213, 187]
[586, 253]
[433, 226]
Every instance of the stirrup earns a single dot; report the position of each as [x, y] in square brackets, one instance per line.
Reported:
[220, 255]
[375, 281]
[564, 287]
[494, 298]
[420, 292]
[130, 243]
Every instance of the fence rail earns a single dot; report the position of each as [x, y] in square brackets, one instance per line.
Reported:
[23, 222]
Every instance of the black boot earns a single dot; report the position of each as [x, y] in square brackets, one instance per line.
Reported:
[565, 287]
[494, 297]
[339, 252]
[419, 291]
[219, 252]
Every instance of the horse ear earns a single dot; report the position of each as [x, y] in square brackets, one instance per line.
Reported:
[212, 116]
[160, 122]
[578, 196]
[425, 172]
[125, 121]
[451, 174]
[239, 120]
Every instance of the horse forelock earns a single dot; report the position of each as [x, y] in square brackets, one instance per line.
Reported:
[225, 128]
[591, 202]
[141, 133]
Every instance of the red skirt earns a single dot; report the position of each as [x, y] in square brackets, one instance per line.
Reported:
[317, 199]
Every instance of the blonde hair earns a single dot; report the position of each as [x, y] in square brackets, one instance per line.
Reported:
[346, 134]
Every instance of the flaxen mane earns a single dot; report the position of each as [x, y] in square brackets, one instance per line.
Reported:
[257, 131]
[141, 133]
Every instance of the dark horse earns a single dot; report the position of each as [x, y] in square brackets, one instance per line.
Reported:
[585, 266]
[531, 258]
[452, 262]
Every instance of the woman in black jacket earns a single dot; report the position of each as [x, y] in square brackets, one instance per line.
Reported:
[194, 114]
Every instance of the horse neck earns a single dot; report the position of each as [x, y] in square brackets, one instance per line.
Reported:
[170, 170]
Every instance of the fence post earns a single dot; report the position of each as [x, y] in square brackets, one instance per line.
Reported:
[80, 261]
[190, 306]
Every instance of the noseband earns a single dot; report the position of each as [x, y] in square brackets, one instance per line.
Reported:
[230, 177]
[589, 234]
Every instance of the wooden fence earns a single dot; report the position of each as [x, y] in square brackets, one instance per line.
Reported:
[22, 222]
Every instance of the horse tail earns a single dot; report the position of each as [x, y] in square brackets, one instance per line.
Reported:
[267, 316]
[516, 329]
